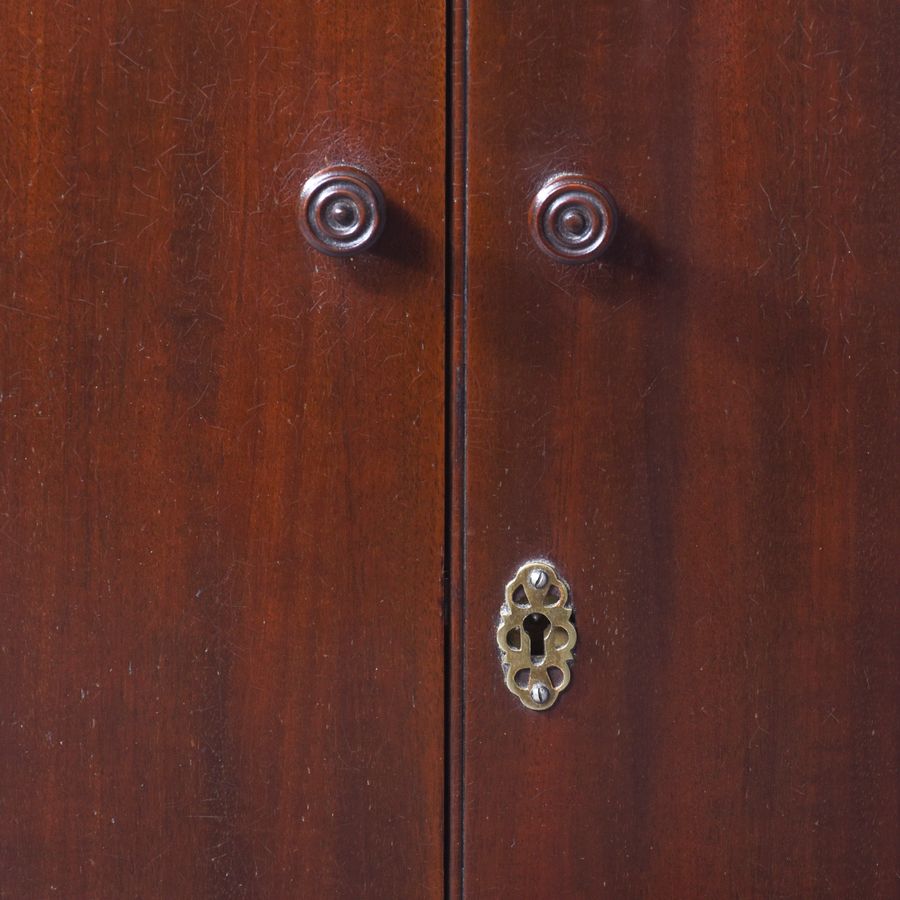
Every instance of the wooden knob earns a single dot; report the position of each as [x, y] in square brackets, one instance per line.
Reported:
[573, 219]
[341, 210]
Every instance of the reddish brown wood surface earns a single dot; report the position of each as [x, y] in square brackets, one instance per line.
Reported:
[221, 475]
[702, 435]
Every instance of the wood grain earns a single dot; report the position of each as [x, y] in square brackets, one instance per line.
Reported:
[221, 475]
[701, 434]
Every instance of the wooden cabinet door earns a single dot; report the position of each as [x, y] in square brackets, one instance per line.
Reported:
[700, 434]
[221, 468]
[225, 518]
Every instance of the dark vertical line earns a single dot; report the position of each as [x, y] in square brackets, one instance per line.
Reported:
[463, 433]
[450, 854]
[455, 443]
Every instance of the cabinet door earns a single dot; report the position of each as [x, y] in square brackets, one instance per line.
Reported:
[699, 432]
[221, 471]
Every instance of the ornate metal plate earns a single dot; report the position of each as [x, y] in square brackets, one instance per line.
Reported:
[536, 635]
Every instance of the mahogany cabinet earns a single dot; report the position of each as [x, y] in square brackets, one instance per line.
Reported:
[222, 500]
[701, 433]
[367, 370]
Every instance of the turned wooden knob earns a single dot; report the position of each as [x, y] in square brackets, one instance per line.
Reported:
[573, 219]
[341, 210]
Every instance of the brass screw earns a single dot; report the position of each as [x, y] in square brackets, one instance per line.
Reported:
[539, 692]
[538, 577]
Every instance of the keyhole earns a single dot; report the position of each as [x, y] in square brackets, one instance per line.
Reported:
[537, 627]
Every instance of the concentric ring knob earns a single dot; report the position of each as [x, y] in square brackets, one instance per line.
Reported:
[341, 210]
[573, 219]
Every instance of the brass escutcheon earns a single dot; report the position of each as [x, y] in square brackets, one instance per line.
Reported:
[536, 634]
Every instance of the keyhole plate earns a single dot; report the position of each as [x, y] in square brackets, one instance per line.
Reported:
[536, 634]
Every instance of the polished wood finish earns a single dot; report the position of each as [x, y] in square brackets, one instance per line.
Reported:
[221, 472]
[232, 491]
[700, 433]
